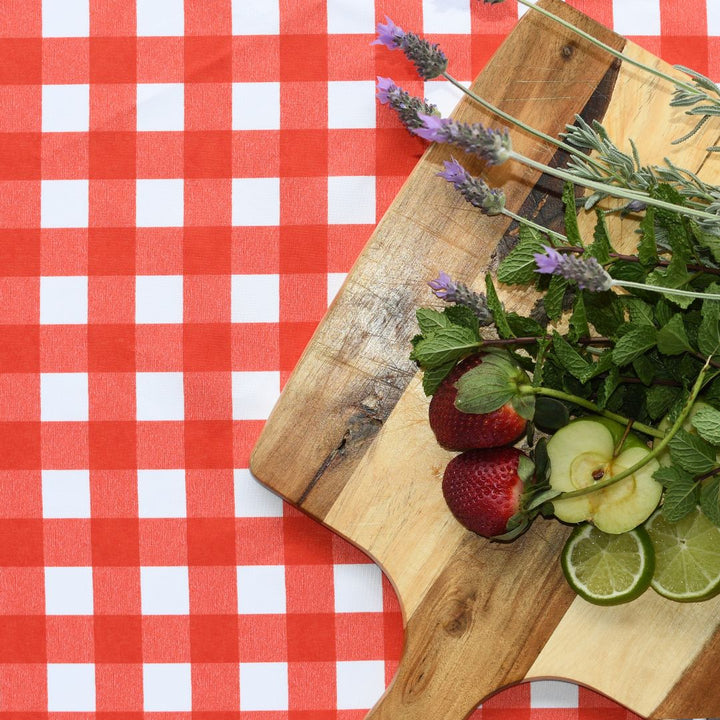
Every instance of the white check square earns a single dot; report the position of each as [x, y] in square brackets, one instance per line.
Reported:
[351, 200]
[160, 106]
[66, 493]
[255, 17]
[358, 588]
[348, 17]
[164, 590]
[158, 299]
[639, 17]
[254, 394]
[261, 589]
[161, 494]
[160, 396]
[253, 499]
[256, 106]
[64, 300]
[446, 16]
[553, 694]
[64, 397]
[68, 591]
[334, 283]
[71, 687]
[65, 18]
[264, 686]
[255, 201]
[159, 203]
[351, 104]
[255, 298]
[64, 203]
[167, 687]
[65, 108]
[160, 18]
[360, 683]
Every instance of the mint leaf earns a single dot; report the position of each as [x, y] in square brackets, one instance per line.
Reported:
[672, 339]
[430, 320]
[709, 330]
[600, 248]
[497, 309]
[572, 231]
[675, 275]
[647, 247]
[464, 316]
[640, 312]
[488, 386]
[634, 343]
[707, 423]
[659, 399]
[444, 346]
[570, 358]
[578, 324]
[433, 377]
[709, 241]
[645, 369]
[691, 453]
[710, 499]
[519, 267]
[554, 297]
[681, 493]
[608, 386]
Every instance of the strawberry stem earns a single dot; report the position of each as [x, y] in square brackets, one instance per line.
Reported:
[588, 405]
[655, 451]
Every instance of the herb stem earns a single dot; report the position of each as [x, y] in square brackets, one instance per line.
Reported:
[522, 125]
[612, 190]
[540, 228]
[657, 449]
[589, 405]
[665, 290]
[615, 53]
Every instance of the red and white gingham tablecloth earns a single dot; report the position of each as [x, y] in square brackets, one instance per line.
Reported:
[183, 186]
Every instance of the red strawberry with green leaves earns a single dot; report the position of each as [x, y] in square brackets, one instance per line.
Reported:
[484, 489]
[457, 430]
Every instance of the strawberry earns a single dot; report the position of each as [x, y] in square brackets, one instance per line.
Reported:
[483, 488]
[457, 430]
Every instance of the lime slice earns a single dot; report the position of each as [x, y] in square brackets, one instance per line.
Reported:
[687, 557]
[608, 569]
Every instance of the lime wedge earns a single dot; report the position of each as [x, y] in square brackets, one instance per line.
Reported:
[687, 557]
[608, 569]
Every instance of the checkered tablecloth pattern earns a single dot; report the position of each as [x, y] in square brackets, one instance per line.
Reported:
[183, 186]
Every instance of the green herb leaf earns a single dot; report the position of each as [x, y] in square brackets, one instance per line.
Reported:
[444, 346]
[710, 499]
[647, 247]
[463, 316]
[672, 338]
[659, 399]
[691, 453]
[433, 377]
[570, 358]
[681, 494]
[600, 249]
[578, 325]
[554, 297]
[676, 276]
[640, 312]
[519, 267]
[634, 343]
[430, 320]
[572, 231]
[709, 330]
[497, 309]
[707, 423]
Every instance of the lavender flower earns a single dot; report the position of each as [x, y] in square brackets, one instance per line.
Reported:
[587, 273]
[460, 294]
[405, 105]
[493, 145]
[475, 190]
[428, 59]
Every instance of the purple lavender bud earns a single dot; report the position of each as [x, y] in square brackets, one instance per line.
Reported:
[548, 262]
[405, 105]
[389, 35]
[587, 273]
[475, 190]
[493, 145]
[635, 206]
[428, 58]
[460, 294]
[443, 287]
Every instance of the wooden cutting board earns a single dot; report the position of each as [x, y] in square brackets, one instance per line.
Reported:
[349, 442]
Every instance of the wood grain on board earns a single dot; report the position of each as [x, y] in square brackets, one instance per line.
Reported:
[349, 443]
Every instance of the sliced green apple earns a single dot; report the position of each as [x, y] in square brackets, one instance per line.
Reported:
[583, 453]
